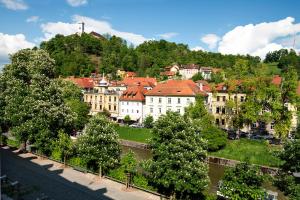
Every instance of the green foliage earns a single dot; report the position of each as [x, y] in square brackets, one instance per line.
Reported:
[291, 156]
[81, 110]
[13, 143]
[77, 161]
[217, 77]
[3, 139]
[148, 121]
[256, 152]
[56, 154]
[197, 77]
[63, 144]
[99, 143]
[127, 119]
[178, 167]
[203, 123]
[134, 134]
[129, 162]
[242, 182]
[118, 173]
[141, 181]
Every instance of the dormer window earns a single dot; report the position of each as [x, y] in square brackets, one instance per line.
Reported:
[224, 88]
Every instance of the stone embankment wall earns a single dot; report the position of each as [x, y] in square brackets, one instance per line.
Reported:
[133, 144]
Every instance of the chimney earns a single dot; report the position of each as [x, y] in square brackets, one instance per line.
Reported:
[200, 86]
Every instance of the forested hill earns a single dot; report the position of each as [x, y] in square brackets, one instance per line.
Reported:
[80, 55]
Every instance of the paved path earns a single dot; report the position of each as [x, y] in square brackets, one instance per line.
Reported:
[46, 177]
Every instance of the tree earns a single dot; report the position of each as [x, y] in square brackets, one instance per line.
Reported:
[148, 121]
[197, 77]
[217, 77]
[99, 144]
[34, 106]
[242, 182]
[178, 167]
[129, 163]
[64, 144]
[203, 123]
[127, 119]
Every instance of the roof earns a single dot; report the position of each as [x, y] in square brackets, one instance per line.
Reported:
[167, 73]
[135, 93]
[139, 81]
[223, 87]
[97, 35]
[176, 88]
[130, 74]
[203, 85]
[189, 66]
[277, 81]
[82, 82]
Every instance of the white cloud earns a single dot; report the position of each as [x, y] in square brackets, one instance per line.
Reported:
[76, 3]
[168, 35]
[10, 44]
[211, 40]
[197, 48]
[14, 4]
[258, 39]
[52, 28]
[33, 19]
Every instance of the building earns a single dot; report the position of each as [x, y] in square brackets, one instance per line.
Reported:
[86, 84]
[132, 103]
[173, 95]
[206, 72]
[188, 71]
[146, 82]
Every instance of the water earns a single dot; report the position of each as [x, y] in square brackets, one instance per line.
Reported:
[215, 172]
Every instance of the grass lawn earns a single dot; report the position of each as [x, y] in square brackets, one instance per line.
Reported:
[134, 134]
[257, 152]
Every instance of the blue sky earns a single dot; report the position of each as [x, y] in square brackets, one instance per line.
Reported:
[207, 24]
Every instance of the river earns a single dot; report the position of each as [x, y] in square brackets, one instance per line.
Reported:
[215, 171]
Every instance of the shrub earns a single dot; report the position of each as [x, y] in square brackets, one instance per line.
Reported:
[148, 121]
[216, 138]
[3, 139]
[56, 155]
[141, 181]
[13, 143]
[77, 161]
[118, 174]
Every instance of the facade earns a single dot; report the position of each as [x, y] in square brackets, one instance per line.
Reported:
[206, 72]
[173, 95]
[188, 71]
[132, 103]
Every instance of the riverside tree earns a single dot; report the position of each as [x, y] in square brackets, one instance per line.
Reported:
[34, 106]
[242, 182]
[178, 168]
[99, 144]
[64, 144]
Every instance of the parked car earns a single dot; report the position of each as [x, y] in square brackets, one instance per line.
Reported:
[135, 125]
[275, 141]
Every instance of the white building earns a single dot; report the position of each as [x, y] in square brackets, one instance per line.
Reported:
[188, 71]
[173, 95]
[132, 103]
[206, 72]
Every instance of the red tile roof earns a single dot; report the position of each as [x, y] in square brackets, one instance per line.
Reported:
[139, 81]
[276, 80]
[130, 74]
[204, 84]
[176, 88]
[135, 93]
[85, 83]
[222, 87]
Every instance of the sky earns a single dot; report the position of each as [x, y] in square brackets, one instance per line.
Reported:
[252, 27]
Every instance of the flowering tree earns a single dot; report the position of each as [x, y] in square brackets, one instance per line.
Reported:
[178, 167]
[99, 143]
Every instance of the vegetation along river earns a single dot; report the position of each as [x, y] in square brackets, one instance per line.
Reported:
[215, 171]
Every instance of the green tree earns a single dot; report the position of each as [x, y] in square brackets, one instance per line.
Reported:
[64, 144]
[178, 167]
[127, 119]
[129, 163]
[148, 121]
[99, 144]
[242, 182]
[197, 77]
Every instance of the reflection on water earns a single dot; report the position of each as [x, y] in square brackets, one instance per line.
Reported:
[215, 171]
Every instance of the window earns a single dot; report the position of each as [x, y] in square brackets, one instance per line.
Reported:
[127, 110]
[224, 98]
[100, 98]
[218, 110]
[132, 111]
[178, 110]
[235, 98]
[169, 108]
[109, 107]
[151, 110]
[137, 111]
[115, 108]
[100, 107]
[159, 100]
[223, 122]
[242, 99]
[127, 103]
[95, 105]
[188, 100]
[159, 110]
[218, 98]
[122, 110]
[151, 100]
[272, 125]
[96, 98]
[169, 100]
[223, 110]
[217, 121]
[115, 98]
[109, 98]
[178, 100]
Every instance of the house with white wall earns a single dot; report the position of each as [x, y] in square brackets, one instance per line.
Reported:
[172, 95]
[188, 71]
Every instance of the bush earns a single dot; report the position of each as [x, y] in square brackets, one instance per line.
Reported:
[141, 181]
[56, 155]
[3, 139]
[118, 174]
[148, 121]
[13, 143]
[77, 161]
[216, 138]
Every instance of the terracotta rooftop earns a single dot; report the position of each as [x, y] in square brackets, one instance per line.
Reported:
[139, 81]
[204, 85]
[135, 93]
[176, 88]
[223, 87]
[85, 83]
[189, 66]
[130, 74]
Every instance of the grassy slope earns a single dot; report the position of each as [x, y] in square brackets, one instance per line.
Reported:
[134, 134]
[258, 152]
